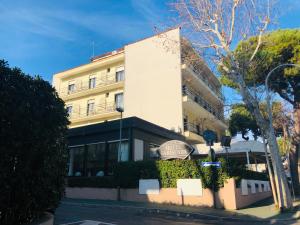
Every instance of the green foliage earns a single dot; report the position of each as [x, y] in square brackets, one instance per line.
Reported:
[284, 145]
[127, 174]
[104, 182]
[241, 121]
[32, 146]
[170, 171]
[213, 177]
[278, 47]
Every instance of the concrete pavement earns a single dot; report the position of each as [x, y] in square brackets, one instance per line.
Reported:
[90, 212]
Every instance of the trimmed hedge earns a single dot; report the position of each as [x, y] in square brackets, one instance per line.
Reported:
[128, 174]
[104, 182]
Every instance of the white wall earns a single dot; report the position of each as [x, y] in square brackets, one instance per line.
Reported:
[153, 80]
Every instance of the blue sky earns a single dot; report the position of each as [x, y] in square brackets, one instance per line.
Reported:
[44, 37]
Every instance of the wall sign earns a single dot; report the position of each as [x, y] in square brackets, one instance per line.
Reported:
[175, 150]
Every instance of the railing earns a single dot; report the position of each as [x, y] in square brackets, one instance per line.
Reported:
[83, 112]
[208, 84]
[195, 128]
[198, 99]
[80, 85]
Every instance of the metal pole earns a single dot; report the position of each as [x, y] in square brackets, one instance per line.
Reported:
[269, 109]
[120, 140]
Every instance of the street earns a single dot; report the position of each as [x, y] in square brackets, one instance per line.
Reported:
[78, 214]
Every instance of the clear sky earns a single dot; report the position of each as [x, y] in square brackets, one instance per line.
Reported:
[44, 37]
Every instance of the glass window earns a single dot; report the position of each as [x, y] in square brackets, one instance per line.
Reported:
[76, 162]
[123, 153]
[120, 75]
[153, 150]
[95, 159]
[71, 88]
[119, 100]
[115, 154]
[69, 110]
[92, 82]
[90, 107]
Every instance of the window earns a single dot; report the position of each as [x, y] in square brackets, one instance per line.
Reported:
[69, 110]
[76, 163]
[90, 107]
[198, 129]
[108, 70]
[153, 151]
[119, 100]
[92, 82]
[116, 155]
[95, 159]
[71, 88]
[120, 75]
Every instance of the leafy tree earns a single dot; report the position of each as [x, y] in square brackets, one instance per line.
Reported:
[216, 26]
[278, 47]
[33, 154]
[241, 121]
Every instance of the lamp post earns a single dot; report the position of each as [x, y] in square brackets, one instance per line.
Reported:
[120, 110]
[269, 108]
[268, 97]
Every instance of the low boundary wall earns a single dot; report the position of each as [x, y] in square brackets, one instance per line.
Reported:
[228, 197]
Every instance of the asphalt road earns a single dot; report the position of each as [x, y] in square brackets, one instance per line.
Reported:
[77, 214]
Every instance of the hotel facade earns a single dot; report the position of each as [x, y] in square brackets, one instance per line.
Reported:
[166, 92]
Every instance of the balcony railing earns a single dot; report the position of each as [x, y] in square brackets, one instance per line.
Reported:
[208, 84]
[195, 128]
[85, 85]
[198, 99]
[85, 112]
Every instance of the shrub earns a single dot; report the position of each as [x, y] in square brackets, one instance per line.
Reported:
[127, 174]
[32, 146]
[104, 182]
[170, 171]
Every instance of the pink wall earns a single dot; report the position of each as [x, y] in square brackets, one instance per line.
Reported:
[245, 200]
[227, 197]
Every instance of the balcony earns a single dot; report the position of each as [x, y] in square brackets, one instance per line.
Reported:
[194, 75]
[193, 133]
[196, 104]
[84, 88]
[99, 113]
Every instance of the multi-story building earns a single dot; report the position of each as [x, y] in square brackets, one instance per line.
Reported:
[160, 79]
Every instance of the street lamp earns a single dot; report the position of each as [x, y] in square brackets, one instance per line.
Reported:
[268, 98]
[120, 110]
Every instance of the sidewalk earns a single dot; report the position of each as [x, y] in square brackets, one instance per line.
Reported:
[262, 211]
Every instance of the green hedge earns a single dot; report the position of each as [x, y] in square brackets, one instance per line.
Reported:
[104, 182]
[128, 174]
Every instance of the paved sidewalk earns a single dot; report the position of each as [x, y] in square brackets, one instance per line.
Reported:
[262, 211]
[265, 209]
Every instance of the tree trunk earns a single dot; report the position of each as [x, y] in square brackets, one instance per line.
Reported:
[271, 175]
[295, 156]
[283, 193]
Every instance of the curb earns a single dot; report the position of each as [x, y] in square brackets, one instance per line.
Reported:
[192, 215]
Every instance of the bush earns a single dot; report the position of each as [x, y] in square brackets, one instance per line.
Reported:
[170, 171]
[32, 146]
[128, 174]
[104, 182]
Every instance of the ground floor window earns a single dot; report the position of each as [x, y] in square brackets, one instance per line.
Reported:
[76, 162]
[117, 154]
[96, 159]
